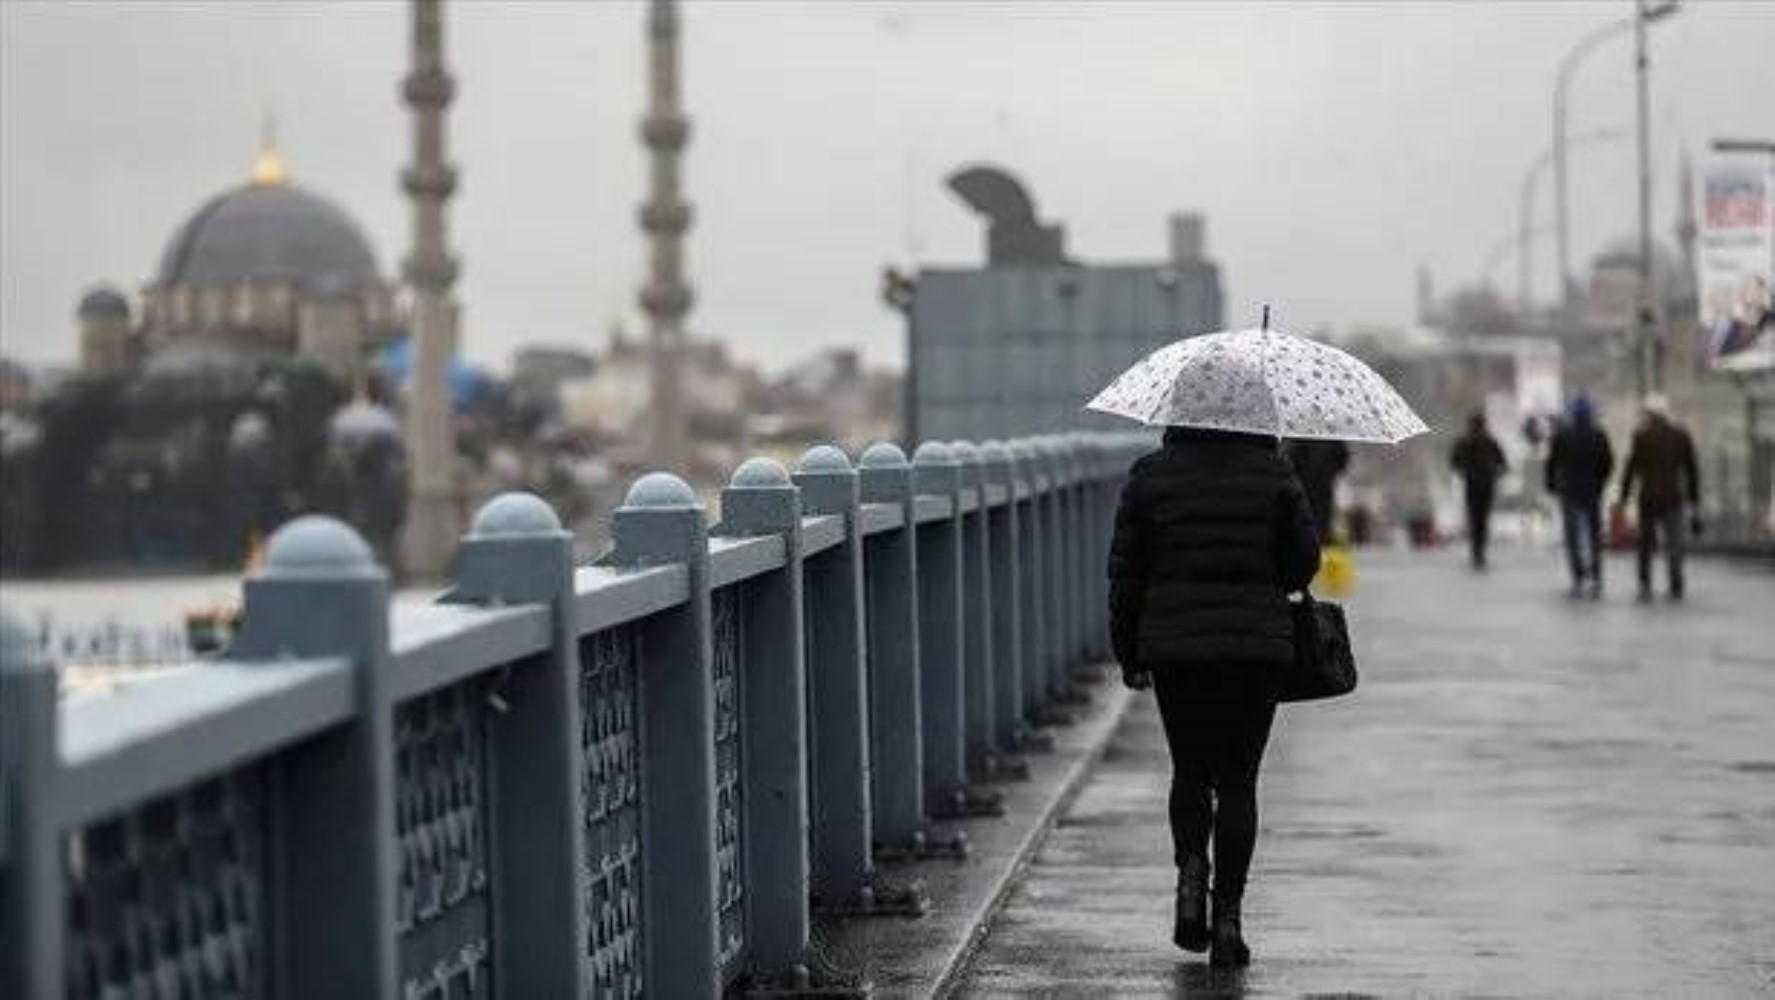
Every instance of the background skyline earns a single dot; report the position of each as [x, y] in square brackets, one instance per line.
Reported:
[1331, 148]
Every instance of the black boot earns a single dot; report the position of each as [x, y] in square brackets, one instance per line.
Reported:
[1228, 949]
[1191, 929]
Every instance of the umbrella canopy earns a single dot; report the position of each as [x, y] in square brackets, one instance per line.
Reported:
[1261, 382]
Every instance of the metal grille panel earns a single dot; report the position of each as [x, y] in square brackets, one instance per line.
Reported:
[446, 943]
[169, 899]
[729, 803]
[610, 737]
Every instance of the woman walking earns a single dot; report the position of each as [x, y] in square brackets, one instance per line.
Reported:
[1213, 531]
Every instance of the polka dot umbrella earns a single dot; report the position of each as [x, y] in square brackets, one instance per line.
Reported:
[1261, 382]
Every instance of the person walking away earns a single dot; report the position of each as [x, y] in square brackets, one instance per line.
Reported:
[1662, 464]
[1212, 533]
[1318, 464]
[1579, 462]
[1481, 464]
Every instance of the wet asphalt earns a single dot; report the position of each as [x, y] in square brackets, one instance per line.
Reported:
[1527, 796]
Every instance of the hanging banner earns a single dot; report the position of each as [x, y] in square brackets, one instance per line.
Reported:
[1735, 260]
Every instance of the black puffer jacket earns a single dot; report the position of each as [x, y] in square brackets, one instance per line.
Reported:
[1212, 533]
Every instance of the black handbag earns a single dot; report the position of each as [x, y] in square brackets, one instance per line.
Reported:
[1324, 665]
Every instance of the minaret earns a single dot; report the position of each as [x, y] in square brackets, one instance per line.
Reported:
[433, 515]
[665, 218]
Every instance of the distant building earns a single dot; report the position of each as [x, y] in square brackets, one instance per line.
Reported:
[263, 271]
[1020, 344]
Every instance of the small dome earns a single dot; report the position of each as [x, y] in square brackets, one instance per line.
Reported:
[269, 232]
[103, 302]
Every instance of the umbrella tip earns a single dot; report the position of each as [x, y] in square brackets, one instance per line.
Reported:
[1266, 316]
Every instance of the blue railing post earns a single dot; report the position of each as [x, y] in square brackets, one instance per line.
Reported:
[1032, 556]
[516, 552]
[320, 593]
[1096, 472]
[977, 610]
[33, 905]
[1074, 589]
[1005, 552]
[941, 638]
[892, 572]
[838, 680]
[660, 523]
[761, 500]
[1049, 572]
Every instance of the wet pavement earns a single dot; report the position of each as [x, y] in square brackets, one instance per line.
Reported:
[1528, 796]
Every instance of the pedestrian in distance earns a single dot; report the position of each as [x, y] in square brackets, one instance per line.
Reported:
[1579, 462]
[1319, 464]
[1480, 462]
[1213, 532]
[1661, 463]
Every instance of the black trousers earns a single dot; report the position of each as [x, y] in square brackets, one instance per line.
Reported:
[1479, 502]
[1217, 722]
[1661, 527]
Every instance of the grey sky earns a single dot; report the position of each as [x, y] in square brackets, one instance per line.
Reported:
[1333, 147]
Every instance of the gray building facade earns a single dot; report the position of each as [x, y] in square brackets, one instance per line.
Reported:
[1019, 345]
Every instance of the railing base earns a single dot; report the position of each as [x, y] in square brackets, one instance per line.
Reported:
[814, 976]
[997, 768]
[968, 802]
[882, 897]
[925, 846]
[1033, 741]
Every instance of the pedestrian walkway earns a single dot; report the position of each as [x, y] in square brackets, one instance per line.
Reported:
[1527, 797]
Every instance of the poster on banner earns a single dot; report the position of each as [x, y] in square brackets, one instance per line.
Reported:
[1735, 261]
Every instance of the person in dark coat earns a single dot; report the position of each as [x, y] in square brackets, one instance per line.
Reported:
[1579, 462]
[1662, 464]
[1481, 464]
[1212, 534]
[1319, 464]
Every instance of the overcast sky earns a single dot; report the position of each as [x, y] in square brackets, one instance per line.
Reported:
[1332, 147]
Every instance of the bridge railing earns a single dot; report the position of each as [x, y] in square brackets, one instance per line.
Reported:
[638, 775]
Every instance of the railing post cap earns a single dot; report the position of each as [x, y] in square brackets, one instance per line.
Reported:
[660, 490]
[933, 453]
[964, 452]
[317, 545]
[760, 473]
[824, 458]
[883, 455]
[514, 515]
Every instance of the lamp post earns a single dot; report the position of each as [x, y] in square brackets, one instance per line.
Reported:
[1568, 68]
[1648, 355]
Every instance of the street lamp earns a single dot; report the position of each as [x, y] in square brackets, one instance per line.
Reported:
[1646, 355]
[1568, 67]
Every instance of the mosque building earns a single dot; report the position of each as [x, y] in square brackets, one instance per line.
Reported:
[260, 272]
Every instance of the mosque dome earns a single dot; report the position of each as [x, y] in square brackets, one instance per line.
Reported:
[103, 302]
[269, 230]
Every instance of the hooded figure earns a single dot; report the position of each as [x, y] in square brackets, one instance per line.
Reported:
[1662, 464]
[1481, 464]
[1213, 532]
[1578, 467]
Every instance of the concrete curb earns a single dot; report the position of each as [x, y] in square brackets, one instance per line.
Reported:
[1105, 724]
